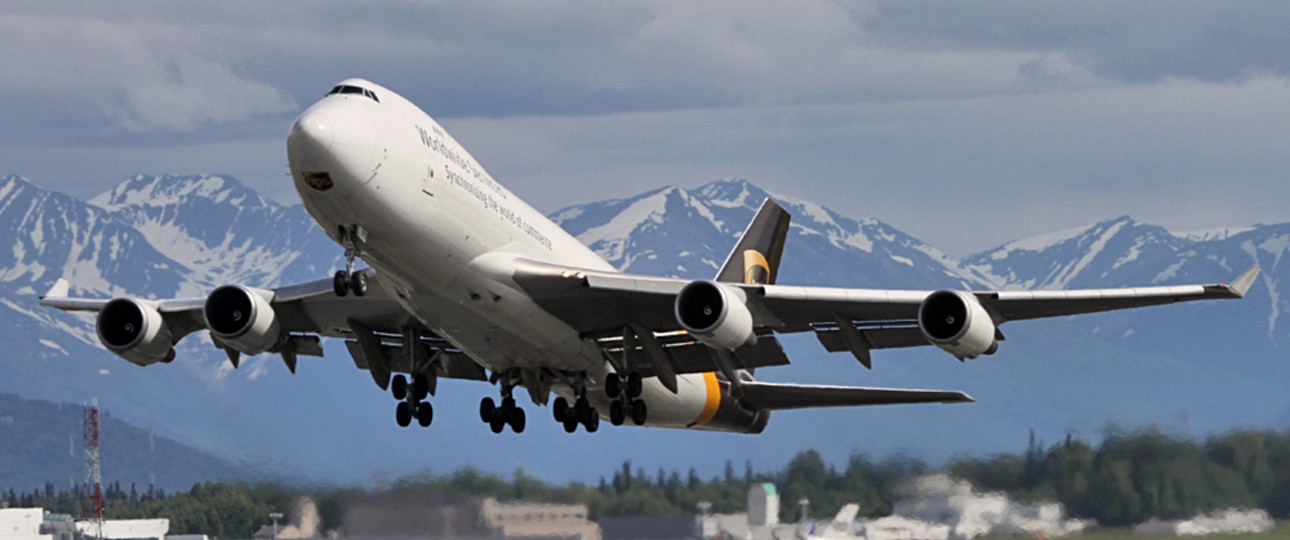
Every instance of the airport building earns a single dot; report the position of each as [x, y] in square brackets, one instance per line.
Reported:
[37, 524]
[420, 516]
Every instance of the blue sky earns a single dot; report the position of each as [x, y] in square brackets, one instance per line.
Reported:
[965, 124]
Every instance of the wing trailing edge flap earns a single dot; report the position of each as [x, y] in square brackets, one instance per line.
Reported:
[774, 396]
[383, 357]
[683, 354]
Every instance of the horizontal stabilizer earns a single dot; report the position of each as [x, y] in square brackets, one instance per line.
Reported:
[771, 396]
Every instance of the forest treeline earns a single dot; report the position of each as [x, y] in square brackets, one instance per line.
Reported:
[1129, 478]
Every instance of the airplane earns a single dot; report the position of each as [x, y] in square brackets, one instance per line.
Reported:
[464, 280]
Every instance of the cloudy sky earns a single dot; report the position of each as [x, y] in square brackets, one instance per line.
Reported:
[965, 124]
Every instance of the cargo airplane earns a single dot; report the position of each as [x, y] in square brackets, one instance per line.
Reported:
[466, 281]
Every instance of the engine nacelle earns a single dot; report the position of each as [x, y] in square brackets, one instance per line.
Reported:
[242, 319]
[956, 322]
[135, 331]
[716, 314]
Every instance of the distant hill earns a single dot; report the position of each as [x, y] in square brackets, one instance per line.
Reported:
[41, 442]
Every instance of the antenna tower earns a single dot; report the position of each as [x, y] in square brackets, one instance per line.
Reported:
[92, 506]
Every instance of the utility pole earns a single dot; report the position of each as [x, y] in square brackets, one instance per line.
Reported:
[275, 517]
[92, 507]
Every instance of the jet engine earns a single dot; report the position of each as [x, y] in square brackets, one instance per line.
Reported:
[242, 319]
[135, 331]
[956, 322]
[716, 314]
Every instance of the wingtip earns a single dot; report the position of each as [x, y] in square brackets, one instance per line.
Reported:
[1243, 282]
[59, 289]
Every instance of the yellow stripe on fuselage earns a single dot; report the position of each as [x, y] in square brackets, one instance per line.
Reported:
[713, 398]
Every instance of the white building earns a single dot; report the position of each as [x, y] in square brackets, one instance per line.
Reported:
[22, 524]
[126, 529]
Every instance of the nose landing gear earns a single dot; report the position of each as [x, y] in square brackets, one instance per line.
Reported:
[347, 280]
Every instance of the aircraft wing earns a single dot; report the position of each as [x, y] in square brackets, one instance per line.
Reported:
[602, 303]
[774, 397]
[371, 325]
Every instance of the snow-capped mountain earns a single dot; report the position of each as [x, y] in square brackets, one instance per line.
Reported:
[220, 230]
[689, 233]
[182, 235]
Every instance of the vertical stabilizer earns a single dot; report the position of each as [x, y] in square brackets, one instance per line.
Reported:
[755, 258]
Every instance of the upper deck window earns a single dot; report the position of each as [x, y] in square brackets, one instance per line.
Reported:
[347, 89]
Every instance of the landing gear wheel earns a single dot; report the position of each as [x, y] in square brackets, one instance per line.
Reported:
[592, 424]
[497, 424]
[403, 414]
[419, 388]
[487, 410]
[613, 386]
[516, 420]
[617, 414]
[425, 414]
[340, 283]
[570, 425]
[634, 385]
[399, 387]
[638, 412]
[581, 409]
[508, 404]
[358, 283]
[560, 409]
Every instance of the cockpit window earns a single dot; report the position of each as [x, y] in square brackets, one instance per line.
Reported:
[347, 89]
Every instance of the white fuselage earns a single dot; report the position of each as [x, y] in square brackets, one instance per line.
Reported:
[442, 233]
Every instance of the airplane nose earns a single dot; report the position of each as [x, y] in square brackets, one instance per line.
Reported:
[311, 136]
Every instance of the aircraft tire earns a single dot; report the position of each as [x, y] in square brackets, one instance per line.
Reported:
[592, 424]
[560, 409]
[358, 284]
[613, 385]
[516, 420]
[639, 412]
[399, 387]
[570, 425]
[403, 414]
[420, 387]
[497, 425]
[425, 414]
[487, 410]
[581, 409]
[617, 413]
[340, 283]
[634, 385]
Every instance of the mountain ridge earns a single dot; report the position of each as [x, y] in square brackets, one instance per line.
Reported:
[1057, 375]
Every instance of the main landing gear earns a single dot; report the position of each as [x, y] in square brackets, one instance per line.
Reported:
[625, 393]
[581, 412]
[412, 404]
[507, 414]
[347, 280]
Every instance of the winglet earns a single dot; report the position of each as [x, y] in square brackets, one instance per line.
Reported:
[58, 290]
[1242, 283]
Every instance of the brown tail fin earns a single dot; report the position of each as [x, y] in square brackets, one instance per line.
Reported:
[755, 258]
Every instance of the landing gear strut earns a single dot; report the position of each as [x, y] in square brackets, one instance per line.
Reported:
[506, 414]
[625, 393]
[348, 280]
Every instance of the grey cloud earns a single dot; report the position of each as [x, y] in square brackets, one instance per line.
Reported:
[132, 76]
[1132, 41]
[1028, 115]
